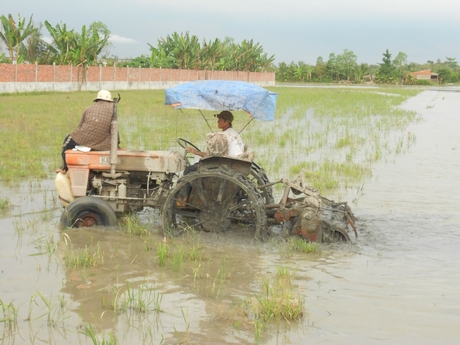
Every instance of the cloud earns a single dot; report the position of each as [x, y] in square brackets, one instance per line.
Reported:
[273, 10]
[121, 39]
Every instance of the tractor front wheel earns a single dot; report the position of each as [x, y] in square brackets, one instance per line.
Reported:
[87, 212]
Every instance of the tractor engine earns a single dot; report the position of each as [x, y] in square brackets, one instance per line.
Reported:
[129, 191]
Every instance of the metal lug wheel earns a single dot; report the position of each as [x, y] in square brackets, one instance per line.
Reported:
[214, 200]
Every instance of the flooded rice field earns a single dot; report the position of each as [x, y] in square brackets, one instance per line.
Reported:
[397, 283]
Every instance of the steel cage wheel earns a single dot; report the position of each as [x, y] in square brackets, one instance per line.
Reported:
[87, 212]
[220, 199]
[331, 234]
[260, 178]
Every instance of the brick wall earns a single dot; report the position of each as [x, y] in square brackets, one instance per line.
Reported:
[22, 77]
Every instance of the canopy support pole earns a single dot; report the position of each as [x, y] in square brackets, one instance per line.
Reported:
[246, 125]
[206, 121]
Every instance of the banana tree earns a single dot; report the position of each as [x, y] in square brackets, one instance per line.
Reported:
[185, 49]
[63, 42]
[210, 53]
[15, 33]
[159, 58]
[34, 49]
[88, 46]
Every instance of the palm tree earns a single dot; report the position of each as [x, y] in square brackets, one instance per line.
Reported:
[15, 33]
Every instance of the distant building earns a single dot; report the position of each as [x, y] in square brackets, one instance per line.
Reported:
[368, 79]
[425, 75]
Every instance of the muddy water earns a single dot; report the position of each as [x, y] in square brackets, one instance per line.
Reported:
[398, 283]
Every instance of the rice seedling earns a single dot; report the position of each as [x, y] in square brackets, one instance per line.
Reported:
[33, 224]
[19, 227]
[140, 300]
[185, 338]
[328, 176]
[5, 204]
[276, 301]
[148, 242]
[9, 316]
[90, 332]
[46, 214]
[195, 252]
[116, 292]
[47, 244]
[178, 258]
[162, 249]
[222, 275]
[55, 311]
[51, 246]
[298, 244]
[259, 327]
[157, 298]
[197, 272]
[187, 323]
[84, 258]
[132, 225]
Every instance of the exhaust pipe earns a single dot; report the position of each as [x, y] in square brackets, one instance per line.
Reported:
[114, 137]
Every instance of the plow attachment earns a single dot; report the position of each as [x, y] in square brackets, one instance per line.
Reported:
[307, 213]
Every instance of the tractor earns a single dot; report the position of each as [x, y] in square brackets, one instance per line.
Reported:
[224, 193]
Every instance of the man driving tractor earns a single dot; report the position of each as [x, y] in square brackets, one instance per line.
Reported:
[235, 145]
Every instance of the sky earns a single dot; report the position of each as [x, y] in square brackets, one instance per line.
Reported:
[291, 30]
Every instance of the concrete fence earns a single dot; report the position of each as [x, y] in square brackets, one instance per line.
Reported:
[30, 78]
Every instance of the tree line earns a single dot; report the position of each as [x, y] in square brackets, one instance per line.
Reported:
[91, 46]
[25, 43]
[344, 68]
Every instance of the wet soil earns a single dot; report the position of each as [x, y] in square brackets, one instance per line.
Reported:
[397, 283]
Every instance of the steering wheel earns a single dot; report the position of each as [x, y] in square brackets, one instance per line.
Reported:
[183, 143]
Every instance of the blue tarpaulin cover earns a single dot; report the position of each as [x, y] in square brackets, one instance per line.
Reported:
[224, 95]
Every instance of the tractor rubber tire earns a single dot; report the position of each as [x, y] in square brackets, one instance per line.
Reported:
[87, 212]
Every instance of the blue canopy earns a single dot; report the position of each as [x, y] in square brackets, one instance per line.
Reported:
[224, 95]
